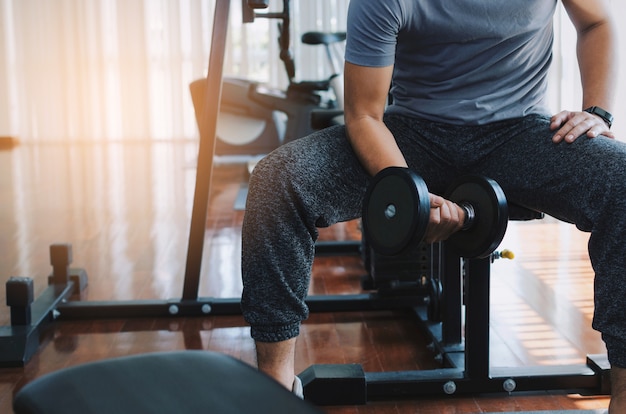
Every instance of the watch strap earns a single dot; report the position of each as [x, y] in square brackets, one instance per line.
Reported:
[604, 114]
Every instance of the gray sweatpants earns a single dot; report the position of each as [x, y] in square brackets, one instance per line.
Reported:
[317, 181]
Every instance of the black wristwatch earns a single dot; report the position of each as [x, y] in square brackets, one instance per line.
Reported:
[605, 115]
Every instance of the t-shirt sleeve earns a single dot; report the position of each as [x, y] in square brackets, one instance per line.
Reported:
[372, 31]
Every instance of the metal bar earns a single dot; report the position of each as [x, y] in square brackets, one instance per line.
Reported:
[19, 343]
[477, 285]
[338, 248]
[361, 302]
[448, 381]
[450, 274]
[83, 310]
[206, 150]
[324, 380]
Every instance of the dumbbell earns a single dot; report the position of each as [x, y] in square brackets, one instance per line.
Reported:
[396, 212]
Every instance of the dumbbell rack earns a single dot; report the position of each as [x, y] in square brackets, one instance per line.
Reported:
[465, 365]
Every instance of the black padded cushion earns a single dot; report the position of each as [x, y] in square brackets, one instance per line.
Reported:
[172, 382]
[519, 213]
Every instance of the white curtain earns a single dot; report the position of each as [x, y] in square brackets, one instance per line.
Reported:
[120, 69]
[101, 69]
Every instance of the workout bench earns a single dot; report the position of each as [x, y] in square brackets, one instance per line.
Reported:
[465, 361]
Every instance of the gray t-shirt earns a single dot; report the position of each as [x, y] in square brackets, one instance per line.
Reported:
[459, 62]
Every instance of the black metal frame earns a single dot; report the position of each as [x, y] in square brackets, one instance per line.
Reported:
[465, 361]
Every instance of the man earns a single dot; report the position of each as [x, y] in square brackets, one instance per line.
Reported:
[468, 81]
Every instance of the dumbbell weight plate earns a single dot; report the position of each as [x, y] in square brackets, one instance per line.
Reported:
[395, 211]
[491, 216]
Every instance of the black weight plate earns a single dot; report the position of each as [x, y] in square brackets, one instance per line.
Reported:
[396, 210]
[491, 216]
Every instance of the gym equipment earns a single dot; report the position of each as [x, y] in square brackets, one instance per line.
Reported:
[301, 99]
[169, 382]
[396, 212]
[486, 212]
[249, 120]
[244, 126]
[462, 289]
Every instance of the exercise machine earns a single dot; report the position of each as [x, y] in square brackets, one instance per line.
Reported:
[459, 280]
[255, 118]
[301, 97]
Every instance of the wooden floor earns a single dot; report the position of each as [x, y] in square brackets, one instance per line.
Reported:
[126, 208]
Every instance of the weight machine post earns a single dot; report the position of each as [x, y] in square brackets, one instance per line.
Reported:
[450, 276]
[477, 286]
[206, 150]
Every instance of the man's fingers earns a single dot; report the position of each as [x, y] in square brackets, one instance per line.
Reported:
[572, 125]
[445, 219]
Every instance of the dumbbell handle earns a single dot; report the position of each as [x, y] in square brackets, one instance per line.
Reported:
[396, 213]
[470, 214]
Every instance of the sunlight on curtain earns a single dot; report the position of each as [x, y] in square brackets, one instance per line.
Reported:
[120, 69]
[102, 69]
